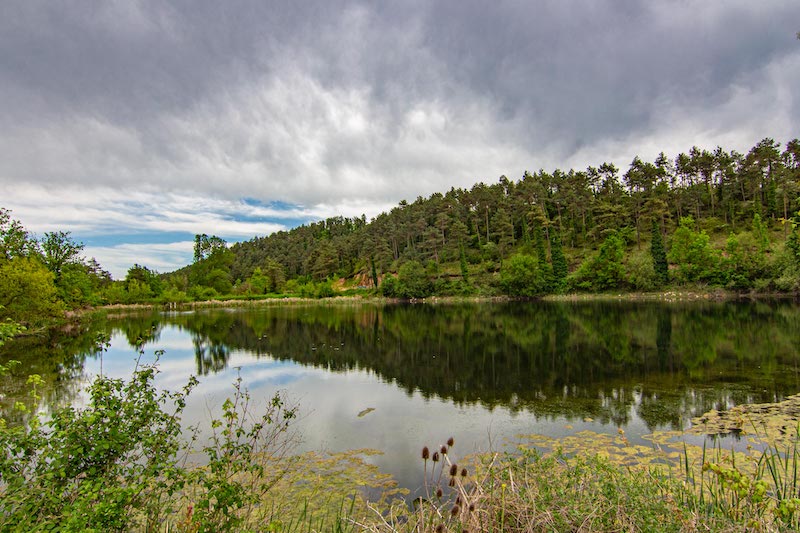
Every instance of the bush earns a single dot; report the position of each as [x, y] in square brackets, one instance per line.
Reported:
[642, 274]
[604, 271]
[119, 464]
[413, 281]
[389, 286]
[521, 275]
[691, 251]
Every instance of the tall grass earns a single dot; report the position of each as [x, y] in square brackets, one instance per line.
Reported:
[608, 484]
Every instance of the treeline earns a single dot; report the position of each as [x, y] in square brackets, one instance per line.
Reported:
[714, 218]
[717, 218]
[42, 277]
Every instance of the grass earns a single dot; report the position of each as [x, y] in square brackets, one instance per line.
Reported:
[126, 473]
[599, 483]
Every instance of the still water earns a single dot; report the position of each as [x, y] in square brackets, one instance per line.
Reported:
[396, 377]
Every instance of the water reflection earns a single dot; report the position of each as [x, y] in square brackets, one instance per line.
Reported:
[609, 362]
[606, 361]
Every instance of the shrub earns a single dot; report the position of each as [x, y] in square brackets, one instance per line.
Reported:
[642, 275]
[413, 281]
[604, 271]
[691, 251]
[521, 275]
[119, 464]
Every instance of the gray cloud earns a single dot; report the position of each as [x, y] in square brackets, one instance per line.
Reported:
[352, 106]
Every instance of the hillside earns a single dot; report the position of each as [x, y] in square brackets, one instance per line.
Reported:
[740, 207]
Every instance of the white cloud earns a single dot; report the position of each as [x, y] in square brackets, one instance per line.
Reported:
[161, 257]
[139, 118]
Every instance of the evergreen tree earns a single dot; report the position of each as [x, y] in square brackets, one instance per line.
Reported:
[560, 269]
[659, 253]
[463, 263]
[374, 272]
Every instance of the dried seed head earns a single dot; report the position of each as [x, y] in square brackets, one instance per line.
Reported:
[440, 528]
[463, 472]
[439, 492]
[450, 442]
[443, 449]
[471, 507]
[452, 482]
[453, 469]
[435, 457]
[425, 453]
[458, 500]
[455, 510]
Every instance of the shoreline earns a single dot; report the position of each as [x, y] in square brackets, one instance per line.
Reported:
[716, 295]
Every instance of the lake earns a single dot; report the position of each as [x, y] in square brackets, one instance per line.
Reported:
[395, 377]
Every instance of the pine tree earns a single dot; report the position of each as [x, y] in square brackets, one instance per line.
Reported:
[464, 270]
[374, 272]
[560, 270]
[659, 254]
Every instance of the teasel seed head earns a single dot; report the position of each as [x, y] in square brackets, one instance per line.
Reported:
[443, 449]
[452, 482]
[435, 457]
[453, 469]
[425, 453]
[439, 492]
[471, 507]
[455, 510]
[451, 441]
[463, 472]
[440, 528]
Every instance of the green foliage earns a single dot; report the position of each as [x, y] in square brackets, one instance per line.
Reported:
[522, 275]
[27, 292]
[462, 263]
[8, 329]
[58, 250]
[691, 251]
[14, 238]
[235, 478]
[119, 464]
[390, 286]
[745, 261]
[658, 254]
[323, 289]
[219, 279]
[560, 270]
[373, 272]
[205, 246]
[413, 281]
[641, 273]
[603, 271]
[104, 468]
[78, 287]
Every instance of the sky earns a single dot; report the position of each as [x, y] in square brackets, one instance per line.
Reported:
[136, 124]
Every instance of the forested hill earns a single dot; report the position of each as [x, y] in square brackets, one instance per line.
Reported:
[703, 219]
[715, 192]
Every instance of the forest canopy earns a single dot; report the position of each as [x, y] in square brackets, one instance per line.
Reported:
[708, 218]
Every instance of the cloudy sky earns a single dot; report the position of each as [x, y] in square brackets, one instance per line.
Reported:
[135, 124]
